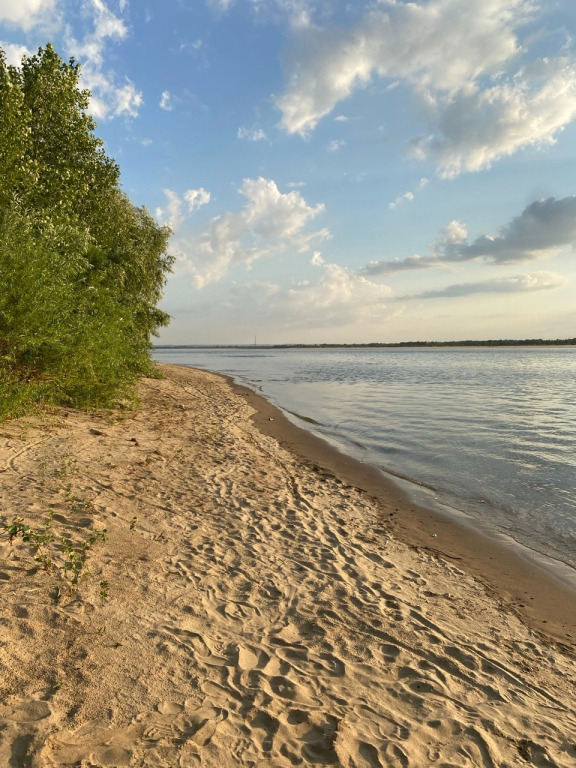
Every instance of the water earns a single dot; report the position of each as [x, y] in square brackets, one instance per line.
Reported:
[490, 432]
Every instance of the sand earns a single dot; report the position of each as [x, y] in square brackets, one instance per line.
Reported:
[261, 609]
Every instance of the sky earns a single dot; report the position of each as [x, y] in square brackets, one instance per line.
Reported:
[339, 172]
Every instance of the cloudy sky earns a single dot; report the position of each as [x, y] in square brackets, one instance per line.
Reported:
[378, 170]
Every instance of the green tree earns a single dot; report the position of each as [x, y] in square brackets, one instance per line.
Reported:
[81, 268]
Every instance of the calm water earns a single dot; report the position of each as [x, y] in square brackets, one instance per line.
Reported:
[490, 432]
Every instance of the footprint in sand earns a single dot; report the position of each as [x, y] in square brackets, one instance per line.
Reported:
[249, 659]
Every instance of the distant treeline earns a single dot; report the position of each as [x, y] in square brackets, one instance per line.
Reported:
[467, 343]
[81, 267]
[379, 344]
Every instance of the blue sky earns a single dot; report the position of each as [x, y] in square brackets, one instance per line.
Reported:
[339, 172]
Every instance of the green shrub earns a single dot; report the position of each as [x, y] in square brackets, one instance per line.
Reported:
[81, 268]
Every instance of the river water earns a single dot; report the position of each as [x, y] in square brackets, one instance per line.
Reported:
[486, 431]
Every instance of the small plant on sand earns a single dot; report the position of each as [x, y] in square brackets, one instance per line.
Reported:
[77, 503]
[75, 563]
[81, 504]
[17, 528]
[68, 466]
[104, 587]
[41, 539]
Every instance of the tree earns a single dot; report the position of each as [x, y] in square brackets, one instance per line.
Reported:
[81, 267]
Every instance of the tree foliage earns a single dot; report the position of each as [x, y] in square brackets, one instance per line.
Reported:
[81, 267]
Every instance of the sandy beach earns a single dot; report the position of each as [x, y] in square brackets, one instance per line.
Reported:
[258, 600]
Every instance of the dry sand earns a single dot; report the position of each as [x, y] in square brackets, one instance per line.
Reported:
[262, 611]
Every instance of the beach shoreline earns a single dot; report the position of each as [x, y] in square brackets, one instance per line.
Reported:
[259, 608]
[527, 584]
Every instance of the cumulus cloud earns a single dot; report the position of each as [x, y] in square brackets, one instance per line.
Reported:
[438, 45]
[111, 96]
[171, 212]
[14, 53]
[338, 297]
[317, 259]
[106, 26]
[543, 228]
[270, 223]
[463, 63]
[251, 134]
[196, 198]
[475, 127]
[166, 101]
[28, 13]
[536, 281]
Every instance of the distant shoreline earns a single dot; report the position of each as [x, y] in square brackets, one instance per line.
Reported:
[385, 345]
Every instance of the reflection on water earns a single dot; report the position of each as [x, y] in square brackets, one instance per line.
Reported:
[491, 430]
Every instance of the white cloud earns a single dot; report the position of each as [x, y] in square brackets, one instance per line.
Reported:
[111, 97]
[317, 259]
[452, 236]
[196, 198]
[28, 13]
[336, 299]
[528, 283]
[251, 134]
[461, 60]
[296, 184]
[14, 53]
[336, 145]
[341, 119]
[270, 223]
[171, 213]
[543, 229]
[339, 297]
[166, 101]
[407, 197]
[438, 45]
[474, 127]
[106, 26]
